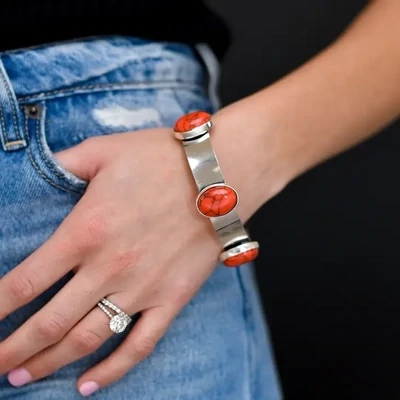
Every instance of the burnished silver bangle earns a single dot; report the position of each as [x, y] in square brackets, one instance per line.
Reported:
[216, 200]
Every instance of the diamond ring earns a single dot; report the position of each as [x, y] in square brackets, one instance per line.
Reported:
[119, 321]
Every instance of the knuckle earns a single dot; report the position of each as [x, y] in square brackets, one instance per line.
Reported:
[123, 261]
[144, 347]
[94, 228]
[7, 357]
[86, 341]
[52, 328]
[21, 288]
[118, 371]
[183, 291]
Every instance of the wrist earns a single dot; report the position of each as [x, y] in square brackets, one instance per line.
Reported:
[252, 161]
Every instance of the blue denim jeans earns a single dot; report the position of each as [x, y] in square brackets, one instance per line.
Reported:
[54, 97]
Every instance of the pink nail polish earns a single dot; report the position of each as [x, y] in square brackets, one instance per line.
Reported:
[88, 388]
[19, 377]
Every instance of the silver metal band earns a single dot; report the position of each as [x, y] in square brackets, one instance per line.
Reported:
[119, 321]
[193, 130]
[206, 173]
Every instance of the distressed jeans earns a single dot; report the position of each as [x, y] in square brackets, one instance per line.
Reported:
[54, 97]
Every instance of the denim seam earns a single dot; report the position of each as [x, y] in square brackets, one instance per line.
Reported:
[35, 166]
[246, 322]
[173, 90]
[14, 114]
[176, 97]
[108, 86]
[3, 126]
[41, 150]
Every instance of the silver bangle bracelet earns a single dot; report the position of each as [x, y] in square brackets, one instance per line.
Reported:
[216, 200]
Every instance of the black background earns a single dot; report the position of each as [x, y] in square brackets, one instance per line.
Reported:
[328, 269]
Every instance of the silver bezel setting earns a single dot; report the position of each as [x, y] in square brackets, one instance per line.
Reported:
[194, 133]
[241, 248]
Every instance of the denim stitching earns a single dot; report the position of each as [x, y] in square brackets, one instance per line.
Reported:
[37, 168]
[45, 178]
[107, 86]
[37, 126]
[3, 126]
[12, 104]
[41, 150]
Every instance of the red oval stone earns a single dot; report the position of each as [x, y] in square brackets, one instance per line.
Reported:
[217, 201]
[191, 121]
[241, 258]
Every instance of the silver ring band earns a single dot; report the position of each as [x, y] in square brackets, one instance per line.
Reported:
[119, 321]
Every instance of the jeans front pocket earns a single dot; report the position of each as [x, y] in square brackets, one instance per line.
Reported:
[42, 157]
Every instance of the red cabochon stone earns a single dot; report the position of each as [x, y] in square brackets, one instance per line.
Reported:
[217, 201]
[241, 258]
[191, 121]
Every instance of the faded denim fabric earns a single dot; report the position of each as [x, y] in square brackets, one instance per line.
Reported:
[54, 97]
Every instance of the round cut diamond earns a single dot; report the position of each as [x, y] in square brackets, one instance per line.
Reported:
[119, 323]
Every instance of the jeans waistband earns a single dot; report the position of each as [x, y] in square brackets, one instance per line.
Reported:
[53, 67]
[59, 69]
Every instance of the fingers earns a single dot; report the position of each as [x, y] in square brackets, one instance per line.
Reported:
[139, 344]
[84, 160]
[79, 234]
[53, 260]
[83, 339]
[50, 324]
[86, 337]
[63, 251]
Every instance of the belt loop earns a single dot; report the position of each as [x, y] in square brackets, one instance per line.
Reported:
[213, 68]
[11, 126]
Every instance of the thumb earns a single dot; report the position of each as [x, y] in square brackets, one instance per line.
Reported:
[82, 160]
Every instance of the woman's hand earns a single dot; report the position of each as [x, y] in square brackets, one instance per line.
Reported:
[135, 237]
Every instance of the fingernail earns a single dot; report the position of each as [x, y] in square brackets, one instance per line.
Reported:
[19, 377]
[87, 388]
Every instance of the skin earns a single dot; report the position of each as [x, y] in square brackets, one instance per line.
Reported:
[338, 99]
